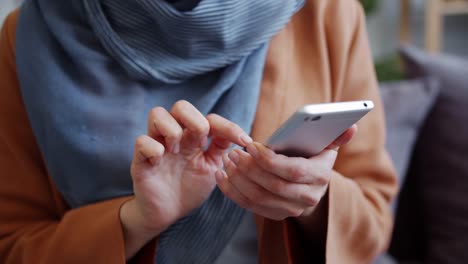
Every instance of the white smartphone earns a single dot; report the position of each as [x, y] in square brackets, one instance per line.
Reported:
[314, 127]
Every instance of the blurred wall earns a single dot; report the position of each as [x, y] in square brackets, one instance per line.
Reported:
[383, 41]
[383, 27]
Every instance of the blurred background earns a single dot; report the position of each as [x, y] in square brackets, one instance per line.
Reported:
[438, 26]
[385, 19]
[434, 25]
[6, 6]
[424, 89]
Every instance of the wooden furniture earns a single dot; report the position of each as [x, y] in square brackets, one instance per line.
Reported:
[436, 10]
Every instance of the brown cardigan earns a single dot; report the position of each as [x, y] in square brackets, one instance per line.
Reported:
[322, 55]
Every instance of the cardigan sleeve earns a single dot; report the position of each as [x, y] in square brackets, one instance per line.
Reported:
[35, 224]
[363, 183]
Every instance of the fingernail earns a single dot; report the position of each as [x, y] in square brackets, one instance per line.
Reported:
[252, 149]
[234, 157]
[246, 139]
[219, 176]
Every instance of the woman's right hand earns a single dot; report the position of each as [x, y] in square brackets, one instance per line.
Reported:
[173, 169]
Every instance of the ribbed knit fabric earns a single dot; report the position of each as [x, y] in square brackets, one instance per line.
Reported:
[90, 71]
[152, 37]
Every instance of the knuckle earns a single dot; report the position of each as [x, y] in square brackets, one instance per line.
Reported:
[159, 149]
[329, 159]
[322, 179]
[211, 117]
[321, 173]
[310, 200]
[294, 212]
[156, 112]
[151, 146]
[201, 128]
[175, 135]
[155, 116]
[140, 142]
[181, 104]
[297, 173]
[278, 186]
[267, 160]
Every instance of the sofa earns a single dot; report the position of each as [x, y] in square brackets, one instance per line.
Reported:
[427, 137]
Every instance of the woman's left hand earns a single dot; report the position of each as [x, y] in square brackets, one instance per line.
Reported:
[276, 186]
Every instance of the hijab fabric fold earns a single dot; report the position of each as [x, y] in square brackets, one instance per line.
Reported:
[91, 70]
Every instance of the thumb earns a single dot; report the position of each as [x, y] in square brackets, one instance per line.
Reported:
[344, 138]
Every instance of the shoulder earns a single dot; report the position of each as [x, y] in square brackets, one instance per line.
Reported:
[336, 10]
[331, 25]
[334, 17]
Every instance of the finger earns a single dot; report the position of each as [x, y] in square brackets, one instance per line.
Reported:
[221, 127]
[304, 194]
[195, 123]
[230, 191]
[344, 138]
[256, 194]
[163, 124]
[299, 170]
[218, 147]
[148, 150]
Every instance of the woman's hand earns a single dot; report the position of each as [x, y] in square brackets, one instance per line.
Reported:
[276, 186]
[173, 168]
